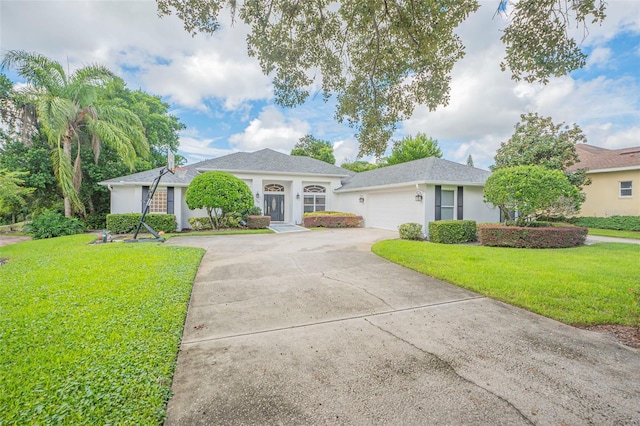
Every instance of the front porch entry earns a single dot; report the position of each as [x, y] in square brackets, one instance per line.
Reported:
[274, 206]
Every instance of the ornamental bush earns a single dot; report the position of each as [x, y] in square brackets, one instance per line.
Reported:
[50, 224]
[219, 193]
[410, 231]
[258, 222]
[452, 231]
[200, 223]
[527, 237]
[530, 191]
[332, 221]
[124, 223]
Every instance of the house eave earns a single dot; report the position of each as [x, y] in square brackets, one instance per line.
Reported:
[412, 183]
[613, 169]
[266, 172]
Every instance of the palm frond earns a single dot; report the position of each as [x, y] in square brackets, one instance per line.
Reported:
[63, 171]
[37, 69]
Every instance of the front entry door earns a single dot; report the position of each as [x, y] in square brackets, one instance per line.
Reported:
[274, 207]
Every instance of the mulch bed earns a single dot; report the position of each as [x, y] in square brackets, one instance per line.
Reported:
[625, 334]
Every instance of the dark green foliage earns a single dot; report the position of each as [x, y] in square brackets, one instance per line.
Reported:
[527, 237]
[309, 146]
[200, 223]
[258, 222]
[124, 223]
[253, 211]
[332, 221]
[220, 193]
[410, 231]
[452, 231]
[413, 148]
[620, 223]
[358, 166]
[50, 224]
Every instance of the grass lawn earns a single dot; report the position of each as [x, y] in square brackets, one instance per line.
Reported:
[614, 233]
[89, 334]
[582, 286]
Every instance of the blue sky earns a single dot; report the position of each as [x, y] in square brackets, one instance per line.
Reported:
[227, 104]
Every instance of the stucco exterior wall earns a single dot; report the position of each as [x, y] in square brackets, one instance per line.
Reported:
[603, 195]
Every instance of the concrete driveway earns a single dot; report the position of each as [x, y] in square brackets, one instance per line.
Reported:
[312, 328]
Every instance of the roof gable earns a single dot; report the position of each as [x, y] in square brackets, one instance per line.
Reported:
[430, 170]
[596, 158]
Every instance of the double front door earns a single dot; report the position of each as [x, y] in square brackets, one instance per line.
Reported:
[274, 207]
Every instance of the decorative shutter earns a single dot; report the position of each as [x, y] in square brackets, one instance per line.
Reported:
[145, 194]
[460, 197]
[170, 200]
[438, 202]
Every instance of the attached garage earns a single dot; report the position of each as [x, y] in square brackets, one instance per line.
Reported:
[388, 210]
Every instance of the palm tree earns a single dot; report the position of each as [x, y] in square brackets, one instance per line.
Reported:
[67, 110]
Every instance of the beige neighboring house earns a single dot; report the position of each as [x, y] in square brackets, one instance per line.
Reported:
[615, 180]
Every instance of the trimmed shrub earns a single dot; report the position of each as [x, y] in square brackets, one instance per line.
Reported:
[258, 222]
[527, 237]
[328, 213]
[50, 224]
[124, 223]
[200, 223]
[452, 231]
[619, 223]
[253, 211]
[333, 221]
[96, 221]
[410, 231]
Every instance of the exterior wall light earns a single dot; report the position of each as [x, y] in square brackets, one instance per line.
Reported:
[361, 199]
[298, 196]
[257, 195]
[419, 197]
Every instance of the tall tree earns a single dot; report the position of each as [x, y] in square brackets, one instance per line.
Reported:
[13, 193]
[470, 161]
[358, 166]
[413, 148]
[309, 146]
[382, 57]
[67, 110]
[537, 141]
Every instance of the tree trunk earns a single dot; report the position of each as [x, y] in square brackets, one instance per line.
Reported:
[66, 147]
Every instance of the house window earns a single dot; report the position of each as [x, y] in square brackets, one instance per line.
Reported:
[159, 201]
[626, 188]
[447, 204]
[273, 187]
[314, 198]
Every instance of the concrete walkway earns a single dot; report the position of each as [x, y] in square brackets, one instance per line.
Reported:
[312, 328]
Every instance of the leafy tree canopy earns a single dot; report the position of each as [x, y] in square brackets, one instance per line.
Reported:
[413, 148]
[538, 141]
[358, 166]
[530, 191]
[382, 57]
[309, 146]
[219, 193]
[470, 161]
[12, 193]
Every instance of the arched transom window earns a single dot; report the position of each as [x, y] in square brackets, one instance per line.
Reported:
[273, 187]
[314, 198]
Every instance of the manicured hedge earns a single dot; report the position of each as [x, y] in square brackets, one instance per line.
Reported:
[126, 222]
[258, 222]
[526, 237]
[452, 231]
[410, 231]
[331, 221]
[328, 213]
[619, 223]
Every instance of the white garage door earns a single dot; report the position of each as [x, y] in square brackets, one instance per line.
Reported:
[388, 210]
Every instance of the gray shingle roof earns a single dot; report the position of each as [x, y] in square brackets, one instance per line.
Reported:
[265, 160]
[430, 170]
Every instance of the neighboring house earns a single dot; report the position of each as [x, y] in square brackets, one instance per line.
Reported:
[615, 180]
[285, 187]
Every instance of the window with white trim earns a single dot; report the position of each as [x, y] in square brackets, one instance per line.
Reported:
[314, 198]
[447, 204]
[626, 188]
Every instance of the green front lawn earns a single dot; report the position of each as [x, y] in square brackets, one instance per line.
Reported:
[614, 233]
[583, 285]
[90, 334]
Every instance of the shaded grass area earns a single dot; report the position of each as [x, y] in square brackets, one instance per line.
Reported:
[614, 233]
[583, 285]
[90, 334]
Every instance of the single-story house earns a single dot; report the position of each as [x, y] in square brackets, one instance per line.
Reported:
[285, 187]
[615, 180]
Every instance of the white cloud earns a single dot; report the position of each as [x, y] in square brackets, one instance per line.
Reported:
[270, 130]
[598, 57]
[623, 138]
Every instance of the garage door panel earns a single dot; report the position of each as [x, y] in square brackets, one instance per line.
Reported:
[388, 210]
